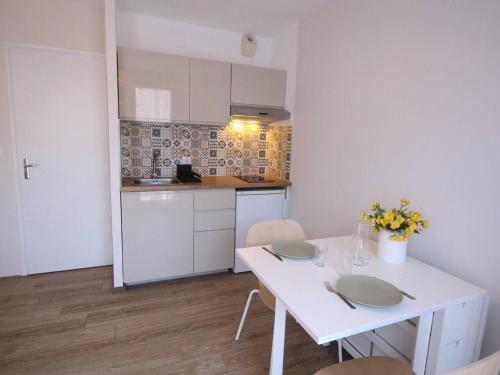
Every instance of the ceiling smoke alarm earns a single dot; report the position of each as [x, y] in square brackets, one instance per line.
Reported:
[248, 45]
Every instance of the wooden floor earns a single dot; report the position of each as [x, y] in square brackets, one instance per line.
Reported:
[74, 322]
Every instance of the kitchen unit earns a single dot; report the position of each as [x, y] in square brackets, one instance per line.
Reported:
[188, 229]
[252, 206]
[163, 87]
[153, 85]
[214, 212]
[209, 91]
[458, 342]
[157, 230]
[256, 86]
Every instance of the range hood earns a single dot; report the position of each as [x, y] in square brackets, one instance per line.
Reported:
[258, 113]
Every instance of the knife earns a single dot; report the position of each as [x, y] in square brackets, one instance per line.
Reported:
[406, 294]
[272, 253]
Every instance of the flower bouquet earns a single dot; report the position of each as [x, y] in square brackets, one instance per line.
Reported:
[394, 227]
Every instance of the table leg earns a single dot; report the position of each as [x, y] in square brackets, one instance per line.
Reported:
[422, 342]
[278, 350]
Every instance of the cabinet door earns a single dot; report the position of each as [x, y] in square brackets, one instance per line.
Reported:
[253, 85]
[157, 230]
[153, 86]
[213, 250]
[209, 91]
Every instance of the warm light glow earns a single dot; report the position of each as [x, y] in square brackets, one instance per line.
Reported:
[240, 125]
[236, 125]
[253, 126]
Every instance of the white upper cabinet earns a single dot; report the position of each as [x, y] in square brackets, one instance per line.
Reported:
[153, 86]
[253, 85]
[209, 91]
[156, 86]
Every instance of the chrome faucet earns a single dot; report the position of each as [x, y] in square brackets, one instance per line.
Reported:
[156, 156]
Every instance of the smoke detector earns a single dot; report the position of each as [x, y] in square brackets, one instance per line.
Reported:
[248, 45]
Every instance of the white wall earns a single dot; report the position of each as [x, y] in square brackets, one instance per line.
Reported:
[401, 99]
[70, 24]
[284, 56]
[161, 35]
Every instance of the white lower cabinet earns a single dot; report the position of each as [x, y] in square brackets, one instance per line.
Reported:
[157, 231]
[213, 250]
[214, 222]
[455, 338]
[169, 234]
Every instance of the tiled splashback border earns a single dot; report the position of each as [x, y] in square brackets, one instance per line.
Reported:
[214, 150]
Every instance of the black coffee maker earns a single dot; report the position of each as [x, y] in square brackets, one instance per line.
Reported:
[186, 174]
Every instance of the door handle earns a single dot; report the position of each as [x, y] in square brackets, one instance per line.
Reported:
[27, 166]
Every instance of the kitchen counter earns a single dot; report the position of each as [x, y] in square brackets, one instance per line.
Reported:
[207, 182]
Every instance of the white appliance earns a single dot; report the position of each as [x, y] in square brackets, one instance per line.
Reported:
[253, 206]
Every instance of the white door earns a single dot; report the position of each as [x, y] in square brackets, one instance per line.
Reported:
[59, 107]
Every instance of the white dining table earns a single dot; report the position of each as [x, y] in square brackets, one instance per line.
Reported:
[298, 286]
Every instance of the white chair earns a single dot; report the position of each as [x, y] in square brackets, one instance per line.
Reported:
[390, 366]
[265, 233]
[486, 366]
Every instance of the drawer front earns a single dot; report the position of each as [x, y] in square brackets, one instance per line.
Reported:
[362, 344]
[214, 219]
[213, 250]
[458, 321]
[455, 354]
[214, 199]
[398, 338]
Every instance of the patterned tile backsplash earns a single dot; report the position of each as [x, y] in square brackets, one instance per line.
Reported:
[214, 150]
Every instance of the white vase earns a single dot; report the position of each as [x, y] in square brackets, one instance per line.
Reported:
[391, 251]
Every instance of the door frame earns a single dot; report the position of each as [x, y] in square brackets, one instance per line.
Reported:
[115, 169]
[8, 46]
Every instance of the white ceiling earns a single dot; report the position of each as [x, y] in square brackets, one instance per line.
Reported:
[260, 17]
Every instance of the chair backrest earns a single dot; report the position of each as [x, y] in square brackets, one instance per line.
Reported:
[486, 366]
[266, 232]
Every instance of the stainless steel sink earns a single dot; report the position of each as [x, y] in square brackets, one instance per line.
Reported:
[156, 181]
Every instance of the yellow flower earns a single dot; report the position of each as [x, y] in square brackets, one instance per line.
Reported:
[405, 202]
[364, 216]
[400, 219]
[415, 216]
[395, 224]
[373, 221]
[375, 205]
[425, 223]
[389, 216]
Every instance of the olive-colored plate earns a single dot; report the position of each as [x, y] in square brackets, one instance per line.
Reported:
[369, 290]
[293, 249]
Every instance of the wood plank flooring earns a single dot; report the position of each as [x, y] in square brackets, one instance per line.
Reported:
[75, 322]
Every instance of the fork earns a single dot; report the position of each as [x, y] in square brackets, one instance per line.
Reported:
[329, 287]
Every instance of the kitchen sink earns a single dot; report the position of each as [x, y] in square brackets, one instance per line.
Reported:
[156, 181]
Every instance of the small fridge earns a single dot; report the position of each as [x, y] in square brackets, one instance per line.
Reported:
[252, 206]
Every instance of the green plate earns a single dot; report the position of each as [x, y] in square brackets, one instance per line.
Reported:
[293, 249]
[369, 290]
